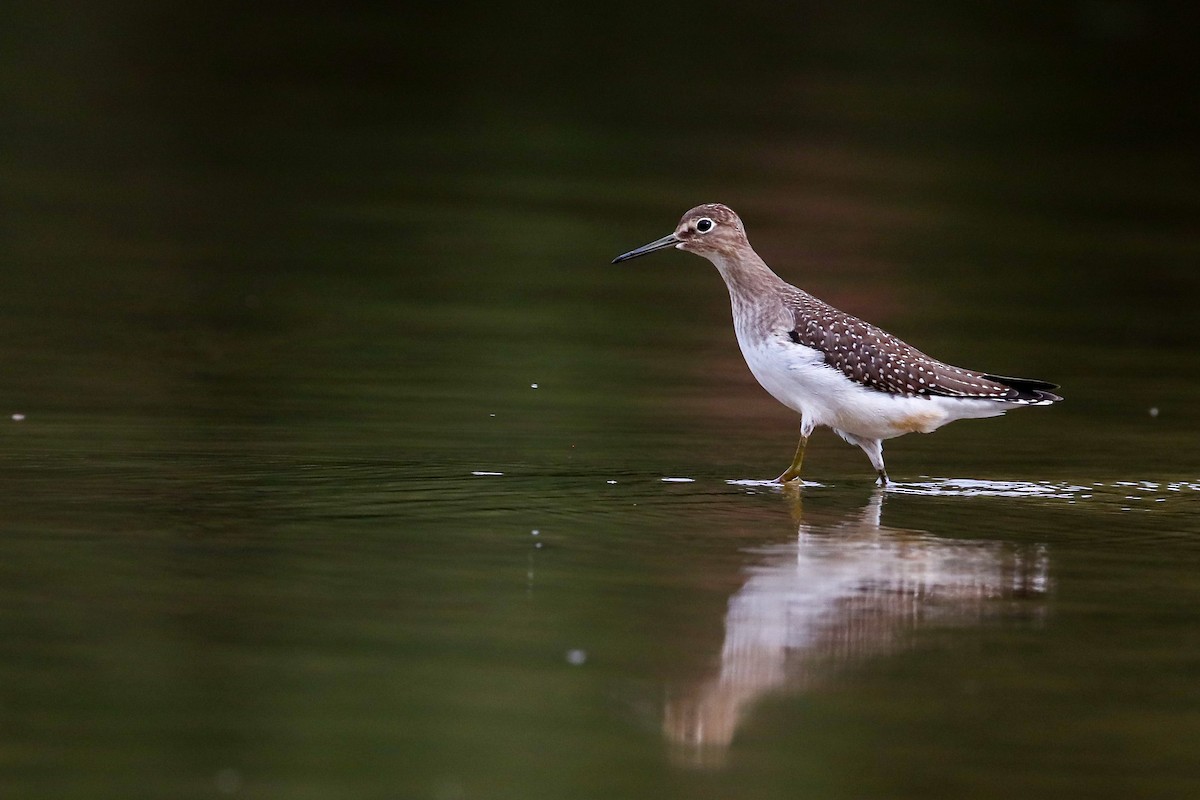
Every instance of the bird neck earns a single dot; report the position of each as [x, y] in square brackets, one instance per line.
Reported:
[746, 275]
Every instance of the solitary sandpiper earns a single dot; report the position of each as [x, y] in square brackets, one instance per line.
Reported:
[831, 367]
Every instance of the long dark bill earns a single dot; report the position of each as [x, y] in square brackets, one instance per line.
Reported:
[662, 244]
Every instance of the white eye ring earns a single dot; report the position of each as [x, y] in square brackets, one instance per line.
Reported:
[704, 225]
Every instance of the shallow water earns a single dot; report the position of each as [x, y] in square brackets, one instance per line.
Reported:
[338, 461]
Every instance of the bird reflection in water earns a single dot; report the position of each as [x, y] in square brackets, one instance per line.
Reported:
[837, 595]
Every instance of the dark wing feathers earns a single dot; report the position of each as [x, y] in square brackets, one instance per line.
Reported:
[873, 357]
[1027, 388]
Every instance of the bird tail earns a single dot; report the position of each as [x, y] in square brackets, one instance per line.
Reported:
[1028, 390]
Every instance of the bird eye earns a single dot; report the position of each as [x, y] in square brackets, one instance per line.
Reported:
[704, 224]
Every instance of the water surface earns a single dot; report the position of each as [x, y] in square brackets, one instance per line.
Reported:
[339, 462]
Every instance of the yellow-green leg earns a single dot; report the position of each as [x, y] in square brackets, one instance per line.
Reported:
[793, 472]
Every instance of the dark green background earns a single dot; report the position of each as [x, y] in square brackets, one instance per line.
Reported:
[278, 278]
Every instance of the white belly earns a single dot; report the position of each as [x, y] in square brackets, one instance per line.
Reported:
[798, 377]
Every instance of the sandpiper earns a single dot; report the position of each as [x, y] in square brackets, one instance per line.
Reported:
[830, 367]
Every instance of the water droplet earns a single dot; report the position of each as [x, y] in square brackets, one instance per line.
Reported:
[576, 657]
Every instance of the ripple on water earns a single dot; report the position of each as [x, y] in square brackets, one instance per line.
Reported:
[751, 483]
[1130, 495]
[970, 487]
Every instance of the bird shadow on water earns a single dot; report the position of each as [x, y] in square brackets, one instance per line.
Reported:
[843, 591]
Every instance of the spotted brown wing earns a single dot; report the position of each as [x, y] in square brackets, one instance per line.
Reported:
[874, 358]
